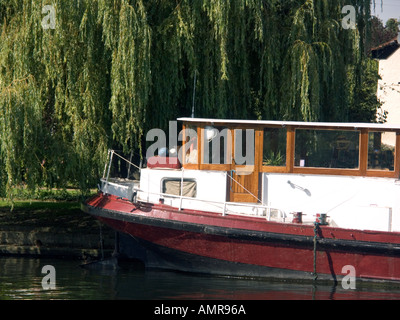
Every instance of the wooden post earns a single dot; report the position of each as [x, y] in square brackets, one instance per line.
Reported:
[363, 165]
[290, 145]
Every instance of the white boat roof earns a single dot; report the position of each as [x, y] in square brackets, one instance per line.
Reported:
[342, 125]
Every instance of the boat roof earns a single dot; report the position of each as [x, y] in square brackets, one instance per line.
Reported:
[330, 125]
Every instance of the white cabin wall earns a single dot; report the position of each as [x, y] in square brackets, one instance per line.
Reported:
[211, 186]
[350, 202]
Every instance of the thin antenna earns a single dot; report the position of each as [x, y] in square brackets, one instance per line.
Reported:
[194, 92]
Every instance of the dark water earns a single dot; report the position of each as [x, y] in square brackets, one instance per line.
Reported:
[21, 278]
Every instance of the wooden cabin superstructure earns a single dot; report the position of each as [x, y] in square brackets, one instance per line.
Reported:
[367, 142]
[363, 130]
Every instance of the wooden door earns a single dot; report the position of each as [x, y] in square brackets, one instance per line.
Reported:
[244, 175]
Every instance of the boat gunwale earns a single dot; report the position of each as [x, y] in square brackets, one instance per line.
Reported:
[331, 244]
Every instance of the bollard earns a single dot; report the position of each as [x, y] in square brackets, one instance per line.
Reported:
[297, 217]
[321, 219]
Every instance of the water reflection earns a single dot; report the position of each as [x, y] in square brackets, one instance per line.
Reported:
[20, 278]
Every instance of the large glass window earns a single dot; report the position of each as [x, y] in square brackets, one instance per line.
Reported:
[244, 147]
[327, 149]
[217, 144]
[274, 150]
[381, 150]
[191, 152]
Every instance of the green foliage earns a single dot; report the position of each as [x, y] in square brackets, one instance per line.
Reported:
[113, 69]
[274, 159]
[393, 26]
[364, 102]
[379, 34]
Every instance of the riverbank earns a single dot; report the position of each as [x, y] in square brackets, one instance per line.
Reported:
[56, 229]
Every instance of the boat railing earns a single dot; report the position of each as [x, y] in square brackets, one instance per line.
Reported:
[130, 192]
[262, 210]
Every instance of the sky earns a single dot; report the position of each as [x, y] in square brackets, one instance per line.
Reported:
[389, 9]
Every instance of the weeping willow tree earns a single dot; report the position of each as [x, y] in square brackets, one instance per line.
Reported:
[110, 70]
[54, 94]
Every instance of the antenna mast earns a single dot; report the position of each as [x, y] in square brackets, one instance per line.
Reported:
[194, 92]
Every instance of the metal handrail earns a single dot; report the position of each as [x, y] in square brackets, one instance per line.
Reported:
[224, 204]
[213, 202]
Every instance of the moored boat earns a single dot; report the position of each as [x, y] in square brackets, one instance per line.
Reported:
[290, 200]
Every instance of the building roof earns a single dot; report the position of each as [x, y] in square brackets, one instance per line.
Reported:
[386, 49]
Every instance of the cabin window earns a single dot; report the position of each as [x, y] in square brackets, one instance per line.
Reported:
[244, 147]
[274, 150]
[381, 149]
[327, 149]
[173, 186]
[191, 145]
[217, 143]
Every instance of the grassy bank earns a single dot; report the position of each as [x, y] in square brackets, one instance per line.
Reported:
[51, 225]
[45, 208]
[42, 194]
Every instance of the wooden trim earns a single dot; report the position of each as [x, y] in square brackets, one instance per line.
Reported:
[273, 169]
[231, 149]
[363, 150]
[243, 197]
[215, 167]
[327, 171]
[397, 156]
[290, 152]
[381, 174]
[191, 166]
[183, 155]
[199, 146]
[259, 148]
[290, 149]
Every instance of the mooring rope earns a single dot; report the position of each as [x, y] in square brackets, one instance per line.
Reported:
[126, 160]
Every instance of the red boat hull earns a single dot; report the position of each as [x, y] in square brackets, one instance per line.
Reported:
[206, 242]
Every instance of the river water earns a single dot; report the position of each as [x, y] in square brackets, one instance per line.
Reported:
[21, 278]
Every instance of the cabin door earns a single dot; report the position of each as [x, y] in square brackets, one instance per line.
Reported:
[243, 177]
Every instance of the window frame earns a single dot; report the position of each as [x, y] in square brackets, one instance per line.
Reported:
[180, 180]
[291, 127]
